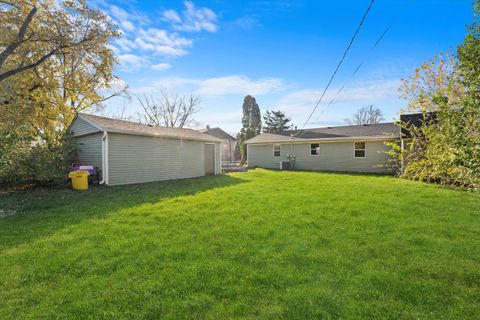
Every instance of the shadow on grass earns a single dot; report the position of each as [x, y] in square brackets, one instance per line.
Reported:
[40, 213]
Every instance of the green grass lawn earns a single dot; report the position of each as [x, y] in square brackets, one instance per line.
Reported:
[262, 244]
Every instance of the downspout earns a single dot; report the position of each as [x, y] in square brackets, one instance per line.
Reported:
[104, 158]
[221, 155]
[219, 146]
[291, 153]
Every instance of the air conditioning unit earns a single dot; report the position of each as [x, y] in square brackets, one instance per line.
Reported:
[285, 165]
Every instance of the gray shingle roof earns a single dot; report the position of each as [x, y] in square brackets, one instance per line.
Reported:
[373, 131]
[218, 133]
[129, 127]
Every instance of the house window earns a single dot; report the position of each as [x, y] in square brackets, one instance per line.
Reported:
[360, 150]
[314, 149]
[276, 150]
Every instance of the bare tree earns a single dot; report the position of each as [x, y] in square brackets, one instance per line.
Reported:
[366, 115]
[169, 109]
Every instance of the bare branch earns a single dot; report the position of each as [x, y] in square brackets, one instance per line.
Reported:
[58, 46]
[366, 115]
[171, 110]
[21, 36]
[22, 68]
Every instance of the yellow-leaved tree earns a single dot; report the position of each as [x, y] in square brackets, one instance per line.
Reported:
[432, 84]
[444, 148]
[55, 61]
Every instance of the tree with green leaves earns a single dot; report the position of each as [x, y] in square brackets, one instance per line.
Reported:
[469, 57]
[445, 148]
[275, 121]
[251, 123]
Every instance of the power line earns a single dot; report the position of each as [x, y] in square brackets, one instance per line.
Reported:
[340, 62]
[357, 68]
[379, 40]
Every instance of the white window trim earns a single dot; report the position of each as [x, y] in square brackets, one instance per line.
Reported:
[273, 150]
[319, 150]
[354, 149]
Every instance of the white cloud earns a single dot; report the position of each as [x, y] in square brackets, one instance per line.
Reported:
[161, 66]
[238, 85]
[193, 19]
[300, 104]
[117, 84]
[132, 62]
[217, 86]
[127, 25]
[172, 16]
[161, 42]
[154, 41]
[118, 13]
[142, 38]
[219, 119]
[247, 22]
[124, 45]
[366, 92]
[116, 51]
[126, 20]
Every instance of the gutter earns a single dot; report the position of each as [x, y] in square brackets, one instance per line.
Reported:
[327, 140]
[175, 137]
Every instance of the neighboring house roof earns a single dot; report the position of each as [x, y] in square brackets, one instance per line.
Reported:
[218, 133]
[374, 131]
[129, 127]
[415, 120]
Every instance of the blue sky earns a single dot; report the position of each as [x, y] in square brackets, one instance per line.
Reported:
[282, 52]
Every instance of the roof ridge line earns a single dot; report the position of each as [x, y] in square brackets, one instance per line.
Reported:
[135, 122]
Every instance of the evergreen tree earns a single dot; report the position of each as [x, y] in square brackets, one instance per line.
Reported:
[276, 121]
[251, 123]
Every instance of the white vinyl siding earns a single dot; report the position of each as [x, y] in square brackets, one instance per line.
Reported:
[334, 156]
[136, 159]
[89, 149]
[80, 127]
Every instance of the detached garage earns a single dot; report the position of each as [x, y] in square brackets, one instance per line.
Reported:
[129, 152]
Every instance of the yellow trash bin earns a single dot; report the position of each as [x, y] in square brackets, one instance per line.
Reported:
[79, 179]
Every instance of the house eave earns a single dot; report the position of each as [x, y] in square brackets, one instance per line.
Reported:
[326, 140]
[110, 130]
